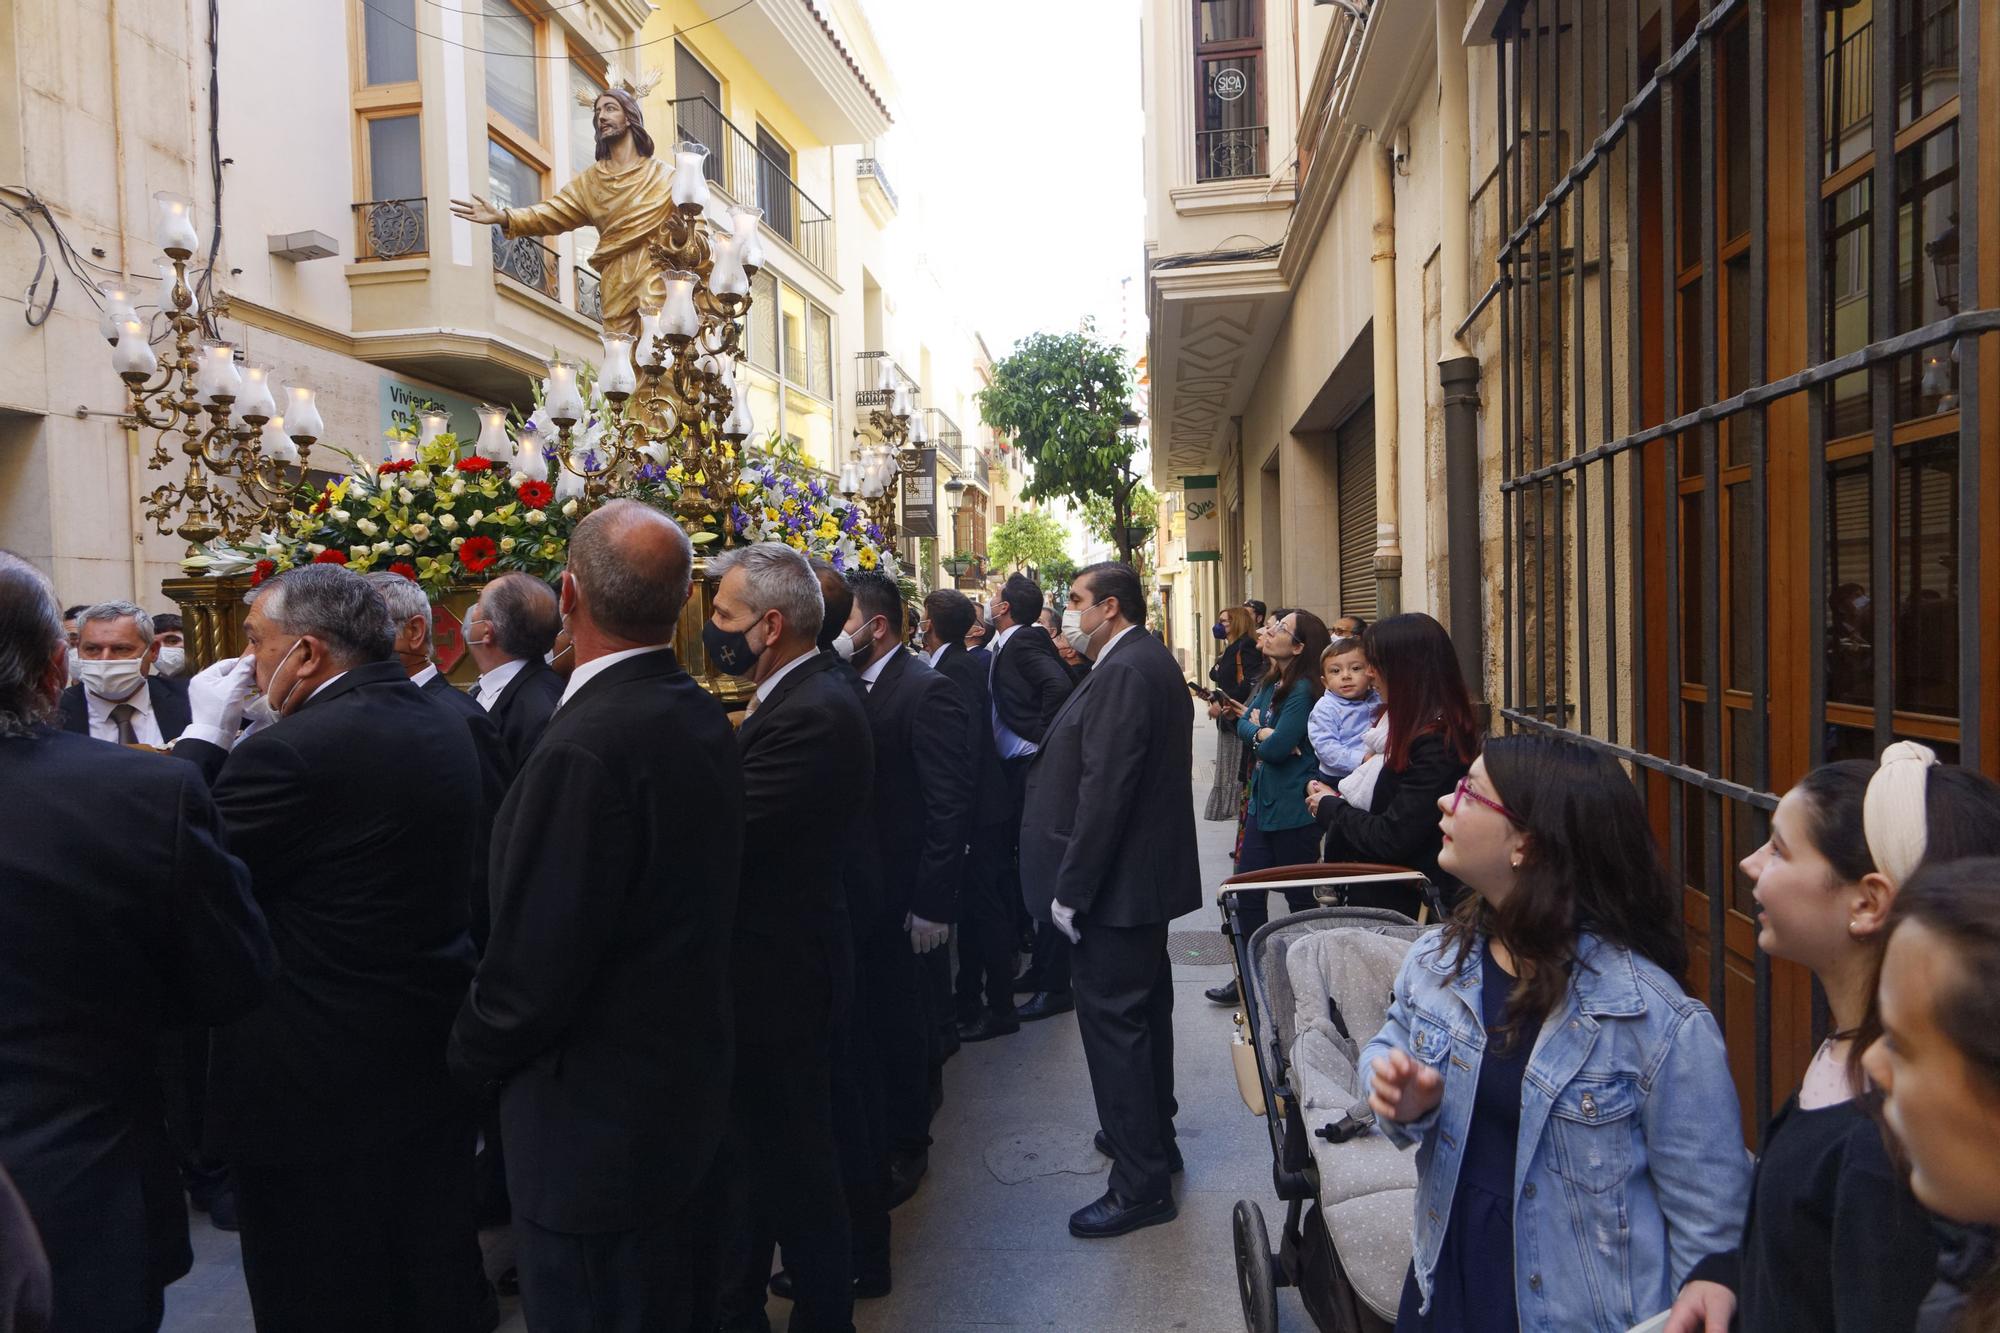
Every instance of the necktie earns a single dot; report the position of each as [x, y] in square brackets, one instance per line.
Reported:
[122, 716]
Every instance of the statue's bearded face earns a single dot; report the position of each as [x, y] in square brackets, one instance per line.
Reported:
[609, 119]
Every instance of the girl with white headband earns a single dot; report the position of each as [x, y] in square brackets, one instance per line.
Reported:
[1834, 1239]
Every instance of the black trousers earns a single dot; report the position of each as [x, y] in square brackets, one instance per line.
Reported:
[862, 1141]
[384, 1239]
[987, 935]
[893, 1001]
[639, 1281]
[1263, 850]
[1124, 988]
[782, 1182]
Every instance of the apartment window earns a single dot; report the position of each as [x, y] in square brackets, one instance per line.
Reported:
[1230, 139]
[774, 183]
[513, 76]
[515, 183]
[395, 158]
[389, 41]
[390, 216]
[583, 83]
[789, 366]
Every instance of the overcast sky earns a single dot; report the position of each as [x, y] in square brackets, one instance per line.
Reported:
[1017, 148]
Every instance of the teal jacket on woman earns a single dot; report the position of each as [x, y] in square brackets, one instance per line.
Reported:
[1285, 759]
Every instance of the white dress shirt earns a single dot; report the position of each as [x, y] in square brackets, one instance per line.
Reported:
[588, 671]
[424, 677]
[1010, 745]
[1105, 651]
[937, 653]
[875, 668]
[771, 681]
[145, 727]
[493, 683]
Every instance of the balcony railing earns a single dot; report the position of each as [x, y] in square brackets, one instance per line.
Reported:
[589, 294]
[869, 168]
[390, 229]
[868, 373]
[949, 439]
[526, 260]
[749, 176]
[1221, 155]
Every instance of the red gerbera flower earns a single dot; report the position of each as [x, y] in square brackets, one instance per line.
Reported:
[536, 494]
[478, 553]
[332, 555]
[396, 465]
[263, 570]
[474, 464]
[405, 568]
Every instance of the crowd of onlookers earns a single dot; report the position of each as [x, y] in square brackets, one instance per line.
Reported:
[1577, 1127]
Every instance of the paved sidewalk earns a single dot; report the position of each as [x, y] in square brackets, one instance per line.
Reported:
[985, 1243]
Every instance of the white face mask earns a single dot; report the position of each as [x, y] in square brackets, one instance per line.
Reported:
[113, 679]
[844, 645]
[259, 711]
[171, 661]
[1073, 632]
[74, 661]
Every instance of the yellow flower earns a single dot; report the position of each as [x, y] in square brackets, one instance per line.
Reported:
[867, 557]
[770, 513]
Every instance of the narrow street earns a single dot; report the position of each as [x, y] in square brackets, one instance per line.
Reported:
[985, 1243]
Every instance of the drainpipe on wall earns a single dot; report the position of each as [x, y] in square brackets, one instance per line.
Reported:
[134, 477]
[1388, 546]
[1458, 373]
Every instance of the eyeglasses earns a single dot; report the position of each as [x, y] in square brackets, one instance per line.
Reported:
[1465, 790]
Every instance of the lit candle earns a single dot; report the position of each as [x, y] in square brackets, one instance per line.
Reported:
[302, 421]
[564, 403]
[690, 186]
[133, 357]
[679, 320]
[173, 224]
[493, 443]
[117, 309]
[615, 377]
[253, 400]
[430, 425]
[216, 378]
[275, 444]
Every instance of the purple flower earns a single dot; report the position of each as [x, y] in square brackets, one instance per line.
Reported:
[737, 518]
[839, 560]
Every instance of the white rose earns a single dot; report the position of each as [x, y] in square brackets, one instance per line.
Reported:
[569, 510]
[447, 522]
[418, 479]
[337, 515]
[536, 517]
[506, 543]
[418, 532]
[518, 480]
[403, 494]
[367, 526]
[275, 552]
[404, 548]
[458, 486]
[314, 547]
[477, 515]
[457, 542]
[357, 553]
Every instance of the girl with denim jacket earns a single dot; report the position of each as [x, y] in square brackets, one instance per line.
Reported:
[1578, 1142]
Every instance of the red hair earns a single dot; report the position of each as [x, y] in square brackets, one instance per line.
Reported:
[1413, 658]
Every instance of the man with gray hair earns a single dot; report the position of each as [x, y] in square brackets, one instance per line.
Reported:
[350, 1143]
[118, 696]
[806, 738]
[509, 632]
[123, 916]
[600, 1014]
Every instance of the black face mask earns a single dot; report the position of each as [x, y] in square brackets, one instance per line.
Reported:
[728, 650]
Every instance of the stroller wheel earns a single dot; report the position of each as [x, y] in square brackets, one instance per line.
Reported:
[1254, 1281]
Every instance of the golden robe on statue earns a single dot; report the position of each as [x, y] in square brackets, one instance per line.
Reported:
[626, 207]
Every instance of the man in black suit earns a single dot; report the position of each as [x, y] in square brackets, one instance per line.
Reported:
[1108, 855]
[350, 1144]
[601, 1010]
[1029, 685]
[922, 805]
[509, 632]
[983, 1000]
[806, 737]
[118, 695]
[122, 916]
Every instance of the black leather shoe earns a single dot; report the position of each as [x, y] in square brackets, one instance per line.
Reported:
[222, 1211]
[1045, 1004]
[1174, 1163]
[1226, 993]
[1028, 982]
[906, 1173]
[1113, 1216]
[988, 1026]
[865, 1288]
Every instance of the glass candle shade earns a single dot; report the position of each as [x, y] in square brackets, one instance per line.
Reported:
[173, 224]
[493, 443]
[430, 425]
[649, 335]
[133, 357]
[690, 186]
[725, 275]
[746, 230]
[918, 435]
[678, 317]
[739, 423]
[216, 377]
[615, 376]
[275, 444]
[117, 309]
[302, 413]
[564, 402]
[254, 398]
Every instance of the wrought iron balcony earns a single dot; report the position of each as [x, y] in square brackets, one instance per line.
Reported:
[1232, 154]
[949, 439]
[868, 374]
[589, 294]
[391, 229]
[747, 175]
[526, 260]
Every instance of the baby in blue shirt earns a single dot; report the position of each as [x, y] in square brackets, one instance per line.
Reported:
[1344, 713]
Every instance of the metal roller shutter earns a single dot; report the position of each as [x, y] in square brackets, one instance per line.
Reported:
[1354, 478]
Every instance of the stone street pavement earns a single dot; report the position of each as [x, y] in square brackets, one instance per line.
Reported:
[985, 1243]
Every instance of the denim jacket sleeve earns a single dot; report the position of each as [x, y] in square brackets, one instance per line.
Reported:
[1701, 1174]
[1395, 1036]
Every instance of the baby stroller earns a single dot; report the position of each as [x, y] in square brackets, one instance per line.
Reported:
[1315, 986]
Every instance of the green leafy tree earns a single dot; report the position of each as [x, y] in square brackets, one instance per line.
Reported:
[1102, 521]
[1056, 577]
[1066, 401]
[1029, 538]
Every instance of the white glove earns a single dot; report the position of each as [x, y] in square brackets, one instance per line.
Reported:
[216, 697]
[1065, 919]
[924, 935]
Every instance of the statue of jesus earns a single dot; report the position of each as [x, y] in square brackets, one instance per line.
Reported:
[626, 194]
